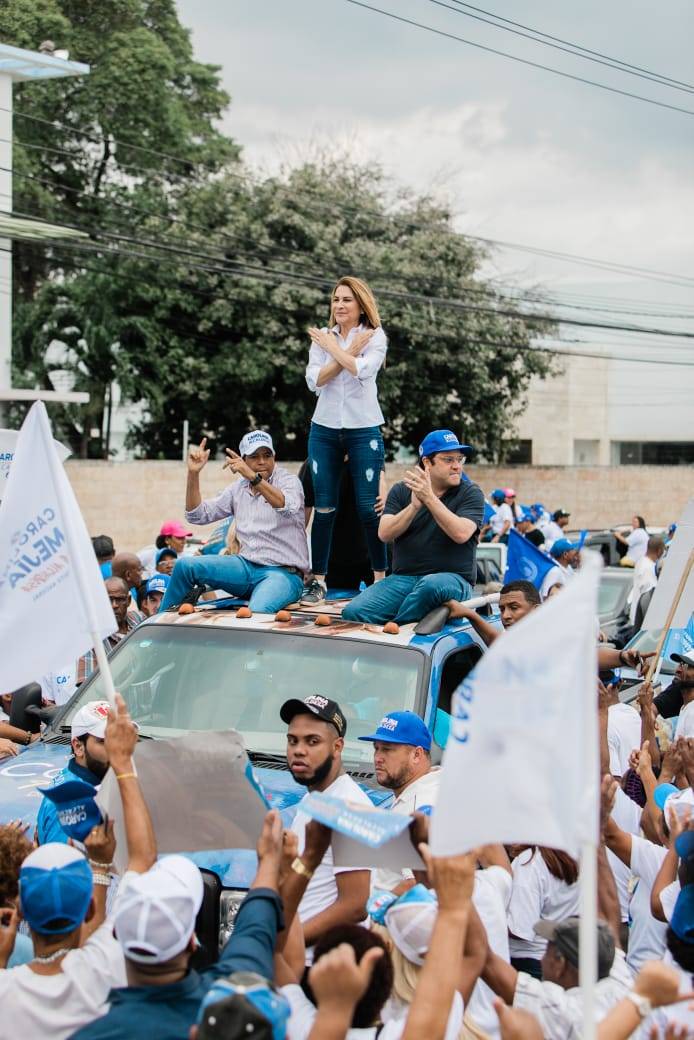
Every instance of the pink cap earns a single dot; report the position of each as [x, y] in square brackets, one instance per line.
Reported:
[509, 492]
[172, 528]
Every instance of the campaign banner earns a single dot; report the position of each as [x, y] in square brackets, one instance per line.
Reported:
[371, 826]
[524, 733]
[200, 791]
[47, 564]
[8, 443]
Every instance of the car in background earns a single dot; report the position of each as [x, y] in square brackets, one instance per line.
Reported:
[211, 670]
[615, 587]
[493, 555]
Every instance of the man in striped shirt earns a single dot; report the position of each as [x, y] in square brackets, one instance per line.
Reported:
[267, 505]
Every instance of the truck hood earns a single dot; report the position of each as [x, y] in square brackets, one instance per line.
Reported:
[20, 798]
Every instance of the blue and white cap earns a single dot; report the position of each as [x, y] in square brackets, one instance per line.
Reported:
[253, 441]
[159, 583]
[401, 727]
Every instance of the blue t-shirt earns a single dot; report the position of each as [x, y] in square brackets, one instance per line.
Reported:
[47, 823]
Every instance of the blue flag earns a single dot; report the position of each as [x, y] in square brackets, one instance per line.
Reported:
[525, 562]
[680, 640]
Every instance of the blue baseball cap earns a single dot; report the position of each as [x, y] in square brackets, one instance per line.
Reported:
[249, 1003]
[55, 889]
[498, 495]
[159, 583]
[561, 546]
[402, 727]
[166, 551]
[77, 811]
[662, 793]
[442, 440]
[682, 920]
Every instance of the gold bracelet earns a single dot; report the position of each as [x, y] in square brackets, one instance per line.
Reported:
[126, 776]
[299, 867]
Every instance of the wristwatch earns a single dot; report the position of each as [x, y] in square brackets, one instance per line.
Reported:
[299, 867]
[641, 1003]
[256, 480]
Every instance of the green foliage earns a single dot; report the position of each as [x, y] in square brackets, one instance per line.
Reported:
[197, 299]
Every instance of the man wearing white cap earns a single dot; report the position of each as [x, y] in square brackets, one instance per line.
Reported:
[154, 922]
[267, 504]
[89, 762]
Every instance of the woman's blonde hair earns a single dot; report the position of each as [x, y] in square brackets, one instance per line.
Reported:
[369, 315]
[405, 973]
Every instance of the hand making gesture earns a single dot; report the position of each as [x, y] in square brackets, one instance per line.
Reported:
[326, 340]
[419, 483]
[198, 456]
[236, 464]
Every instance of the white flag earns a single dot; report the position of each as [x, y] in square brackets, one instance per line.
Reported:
[521, 763]
[670, 576]
[47, 564]
[8, 443]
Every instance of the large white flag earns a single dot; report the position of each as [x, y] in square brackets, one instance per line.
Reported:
[521, 763]
[47, 564]
[8, 443]
[670, 576]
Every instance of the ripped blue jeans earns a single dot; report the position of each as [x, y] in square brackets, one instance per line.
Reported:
[326, 452]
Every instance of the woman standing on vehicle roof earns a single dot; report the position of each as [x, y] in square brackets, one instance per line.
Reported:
[343, 363]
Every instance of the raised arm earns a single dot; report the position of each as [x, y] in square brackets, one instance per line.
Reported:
[120, 742]
[197, 460]
[482, 627]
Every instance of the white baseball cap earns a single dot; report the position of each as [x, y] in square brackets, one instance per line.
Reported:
[154, 916]
[411, 923]
[254, 440]
[91, 719]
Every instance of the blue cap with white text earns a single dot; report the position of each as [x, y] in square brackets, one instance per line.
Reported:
[441, 440]
[402, 727]
[77, 811]
[159, 583]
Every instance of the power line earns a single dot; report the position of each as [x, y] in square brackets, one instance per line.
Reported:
[515, 57]
[563, 45]
[409, 223]
[264, 274]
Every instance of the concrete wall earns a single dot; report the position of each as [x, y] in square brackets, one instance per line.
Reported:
[130, 500]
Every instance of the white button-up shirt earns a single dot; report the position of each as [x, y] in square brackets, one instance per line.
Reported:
[348, 402]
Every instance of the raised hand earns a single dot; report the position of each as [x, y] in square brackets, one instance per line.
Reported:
[338, 981]
[100, 843]
[238, 465]
[121, 737]
[608, 793]
[198, 456]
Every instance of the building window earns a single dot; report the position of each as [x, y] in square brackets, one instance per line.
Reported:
[654, 453]
[520, 455]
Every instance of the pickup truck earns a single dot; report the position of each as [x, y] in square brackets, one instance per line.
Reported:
[212, 670]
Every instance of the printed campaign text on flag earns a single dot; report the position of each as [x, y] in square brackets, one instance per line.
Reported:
[46, 563]
[521, 760]
[525, 562]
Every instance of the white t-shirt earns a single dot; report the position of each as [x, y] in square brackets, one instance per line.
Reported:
[536, 894]
[56, 1006]
[637, 543]
[552, 532]
[644, 579]
[646, 934]
[421, 792]
[59, 686]
[623, 736]
[502, 516]
[321, 891]
[304, 1013]
[558, 575]
[627, 815]
[491, 897]
[685, 722]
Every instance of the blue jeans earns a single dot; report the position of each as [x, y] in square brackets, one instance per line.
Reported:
[405, 597]
[267, 588]
[326, 452]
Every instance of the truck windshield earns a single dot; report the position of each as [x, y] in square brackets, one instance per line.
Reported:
[197, 678]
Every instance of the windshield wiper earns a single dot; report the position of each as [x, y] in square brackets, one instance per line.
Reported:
[265, 756]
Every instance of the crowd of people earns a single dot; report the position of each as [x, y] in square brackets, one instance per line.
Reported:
[476, 946]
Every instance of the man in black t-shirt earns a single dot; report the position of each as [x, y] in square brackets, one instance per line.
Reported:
[433, 517]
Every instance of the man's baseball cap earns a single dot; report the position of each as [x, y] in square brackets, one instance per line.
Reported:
[564, 935]
[499, 494]
[166, 551]
[253, 441]
[401, 727]
[90, 719]
[322, 707]
[682, 920]
[559, 513]
[409, 918]
[154, 916]
[561, 546]
[159, 583]
[441, 440]
[55, 889]
[243, 1005]
[686, 658]
[172, 529]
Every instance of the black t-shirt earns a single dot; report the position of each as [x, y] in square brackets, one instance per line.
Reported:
[424, 548]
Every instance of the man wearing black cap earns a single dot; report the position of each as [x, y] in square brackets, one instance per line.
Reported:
[315, 740]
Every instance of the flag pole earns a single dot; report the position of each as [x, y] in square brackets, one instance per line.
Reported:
[588, 863]
[80, 577]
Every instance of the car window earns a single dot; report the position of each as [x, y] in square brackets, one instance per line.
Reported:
[611, 594]
[176, 679]
[456, 667]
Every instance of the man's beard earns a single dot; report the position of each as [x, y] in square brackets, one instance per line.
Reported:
[395, 783]
[95, 766]
[318, 775]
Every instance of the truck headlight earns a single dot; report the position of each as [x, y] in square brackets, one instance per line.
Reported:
[229, 903]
